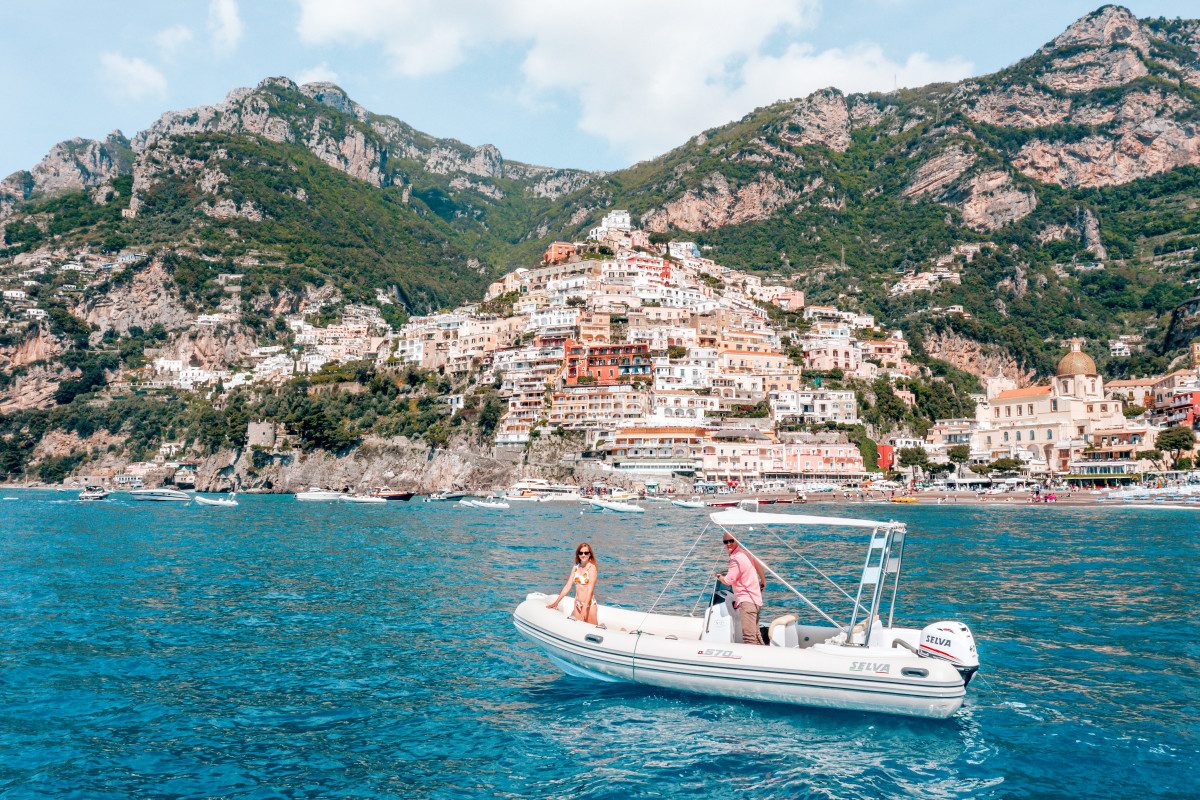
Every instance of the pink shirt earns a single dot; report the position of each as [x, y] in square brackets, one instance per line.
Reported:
[743, 578]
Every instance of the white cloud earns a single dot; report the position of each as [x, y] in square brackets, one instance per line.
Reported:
[170, 41]
[132, 78]
[646, 75]
[321, 73]
[224, 24]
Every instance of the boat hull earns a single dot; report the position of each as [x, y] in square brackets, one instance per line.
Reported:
[160, 496]
[615, 505]
[822, 676]
[216, 502]
[319, 497]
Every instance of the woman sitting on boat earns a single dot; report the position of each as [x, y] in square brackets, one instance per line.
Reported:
[584, 576]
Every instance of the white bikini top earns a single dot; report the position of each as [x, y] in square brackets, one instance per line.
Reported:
[580, 576]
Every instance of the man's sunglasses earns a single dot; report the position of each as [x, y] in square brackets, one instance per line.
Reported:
[728, 541]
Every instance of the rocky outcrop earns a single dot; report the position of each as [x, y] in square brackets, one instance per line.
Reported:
[32, 388]
[1104, 27]
[1095, 69]
[352, 153]
[377, 462]
[716, 203]
[71, 165]
[937, 174]
[822, 118]
[226, 208]
[1131, 152]
[487, 189]
[1019, 107]
[987, 200]
[333, 96]
[39, 345]
[147, 299]
[978, 359]
[991, 200]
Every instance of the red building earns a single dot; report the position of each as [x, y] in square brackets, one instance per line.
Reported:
[886, 454]
[604, 363]
[558, 252]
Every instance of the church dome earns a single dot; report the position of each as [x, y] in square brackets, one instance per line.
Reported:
[1076, 362]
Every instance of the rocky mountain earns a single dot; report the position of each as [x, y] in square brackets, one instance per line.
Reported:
[1069, 178]
[1079, 164]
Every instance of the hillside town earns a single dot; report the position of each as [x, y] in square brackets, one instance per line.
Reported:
[660, 362]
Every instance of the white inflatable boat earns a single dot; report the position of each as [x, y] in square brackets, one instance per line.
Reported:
[615, 505]
[864, 665]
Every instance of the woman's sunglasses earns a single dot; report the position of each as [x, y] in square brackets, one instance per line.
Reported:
[585, 552]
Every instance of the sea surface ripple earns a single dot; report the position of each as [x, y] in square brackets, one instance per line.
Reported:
[283, 649]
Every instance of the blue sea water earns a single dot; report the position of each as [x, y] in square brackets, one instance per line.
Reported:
[293, 650]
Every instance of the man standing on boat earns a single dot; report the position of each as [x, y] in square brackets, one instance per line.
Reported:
[747, 588]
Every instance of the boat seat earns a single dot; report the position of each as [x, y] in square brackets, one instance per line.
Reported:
[784, 632]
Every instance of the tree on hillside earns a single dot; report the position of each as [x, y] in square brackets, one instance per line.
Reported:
[914, 457]
[1007, 465]
[959, 454]
[1175, 441]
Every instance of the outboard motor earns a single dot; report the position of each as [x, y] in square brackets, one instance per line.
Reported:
[951, 641]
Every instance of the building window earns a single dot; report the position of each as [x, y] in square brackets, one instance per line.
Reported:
[1018, 436]
[1006, 436]
[1054, 405]
[1049, 433]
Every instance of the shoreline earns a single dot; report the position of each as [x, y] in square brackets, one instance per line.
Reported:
[770, 502]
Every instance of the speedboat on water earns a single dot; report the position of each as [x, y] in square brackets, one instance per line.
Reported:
[364, 498]
[867, 663]
[228, 501]
[615, 505]
[538, 490]
[161, 495]
[439, 497]
[316, 494]
[91, 493]
[392, 494]
[486, 503]
[693, 503]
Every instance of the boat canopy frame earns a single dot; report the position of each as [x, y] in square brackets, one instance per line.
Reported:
[881, 567]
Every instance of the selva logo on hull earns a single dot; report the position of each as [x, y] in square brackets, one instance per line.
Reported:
[878, 668]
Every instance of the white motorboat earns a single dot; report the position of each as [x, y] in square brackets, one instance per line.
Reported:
[316, 494]
[693, 503]
[865, 664]
[91, 493]
[486, 503]
[615, 505]
[228, 501]
[541, 491]
[364, 498]
[438, 497]
[161, 495]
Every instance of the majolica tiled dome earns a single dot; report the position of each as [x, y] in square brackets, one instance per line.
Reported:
[1076, 362]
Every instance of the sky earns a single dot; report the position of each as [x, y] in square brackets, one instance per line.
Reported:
[592, 84]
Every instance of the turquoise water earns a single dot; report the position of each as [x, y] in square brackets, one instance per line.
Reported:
[295, 650]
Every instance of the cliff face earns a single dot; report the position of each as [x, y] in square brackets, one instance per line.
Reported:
[74, 164]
